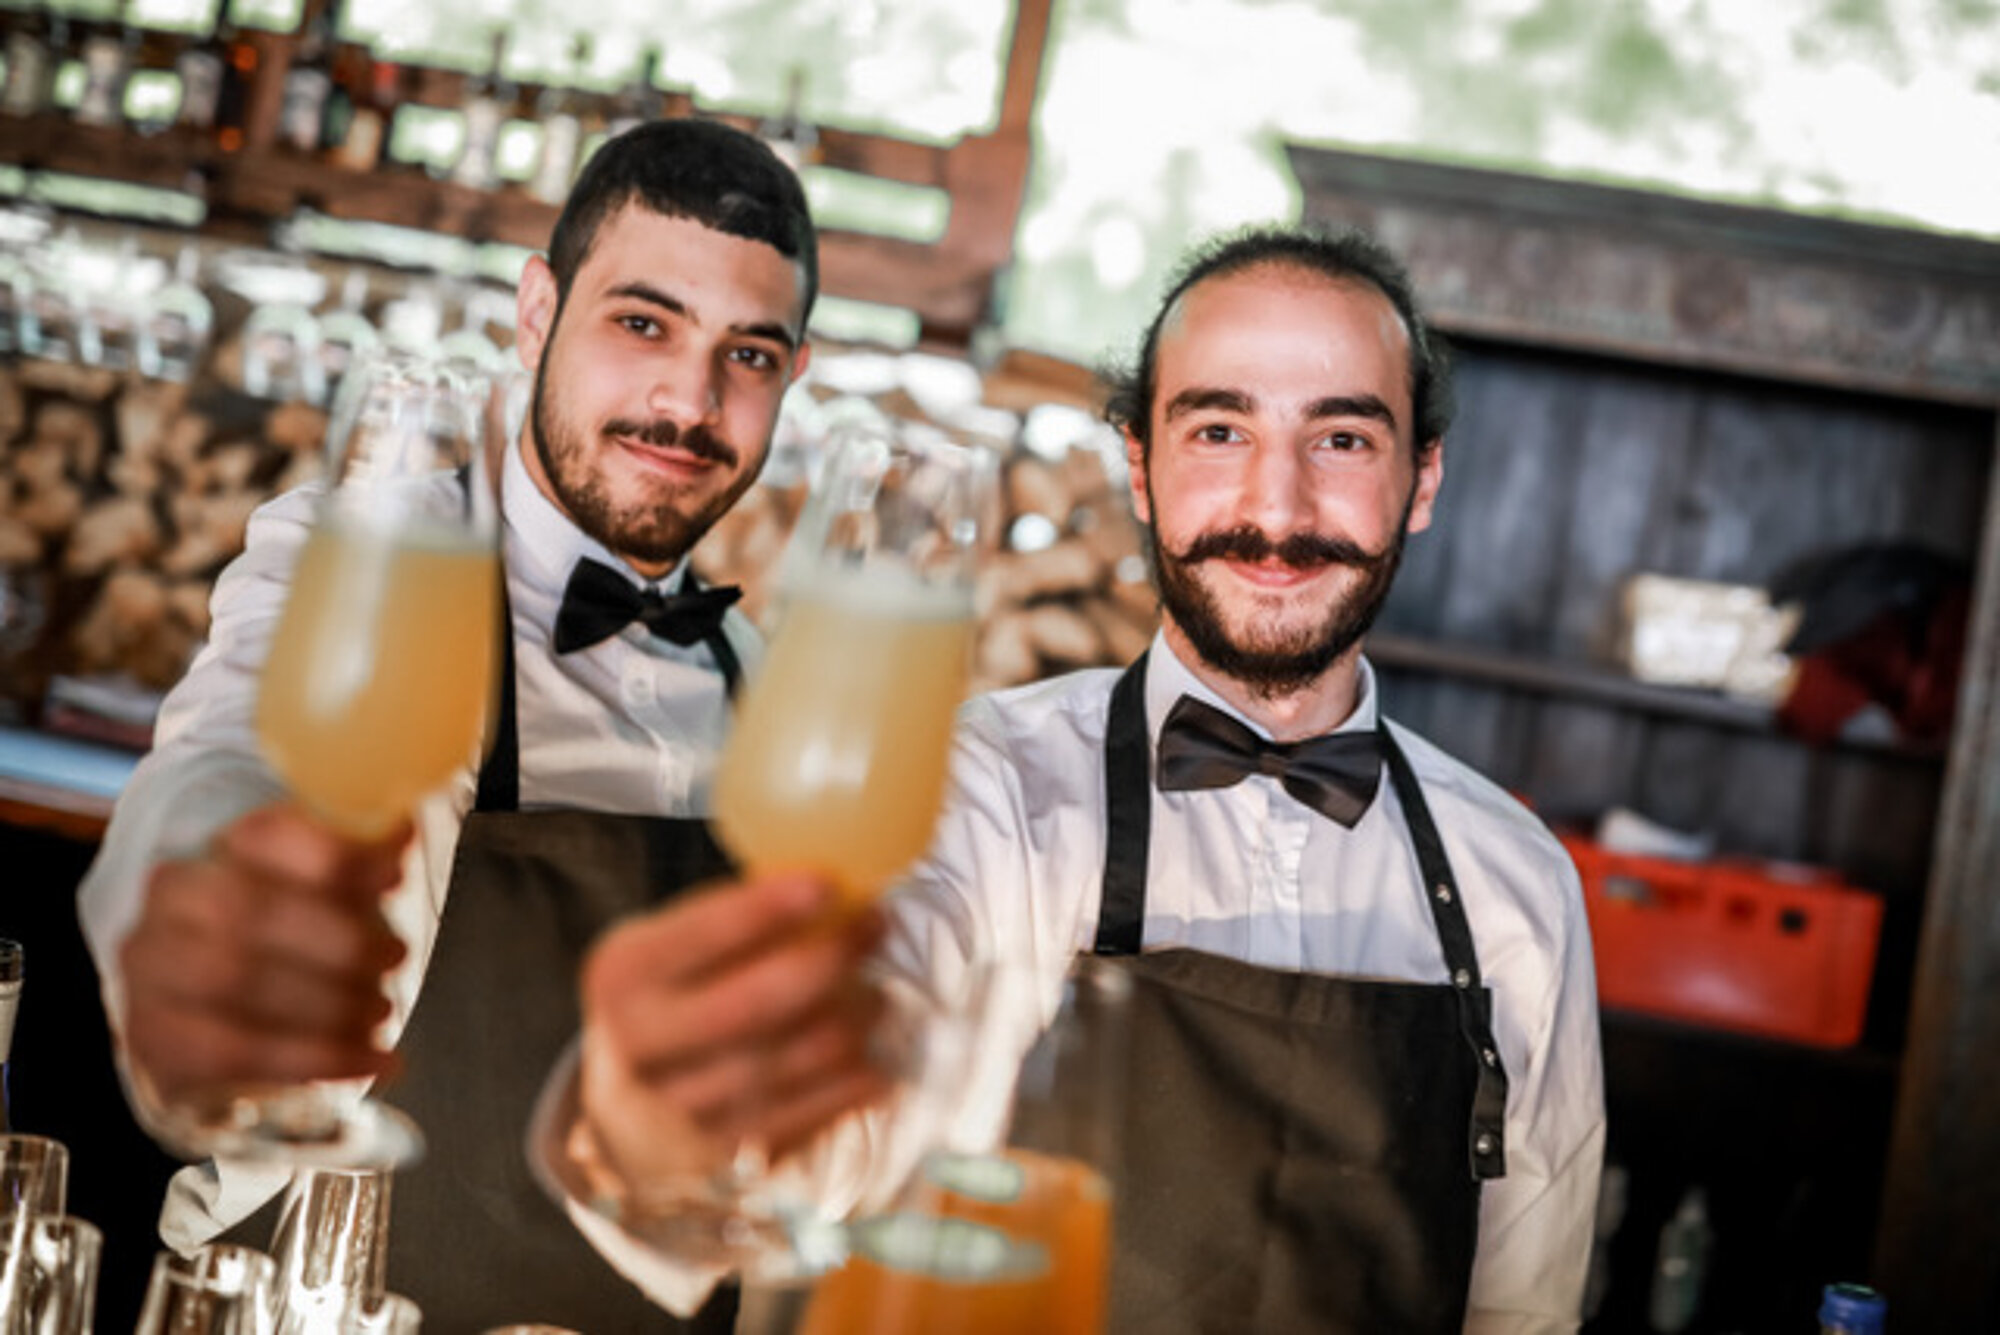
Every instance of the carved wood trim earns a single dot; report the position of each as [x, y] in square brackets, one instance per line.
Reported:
[1667, 279]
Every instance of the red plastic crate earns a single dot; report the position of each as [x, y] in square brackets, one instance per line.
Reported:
[1735, 945]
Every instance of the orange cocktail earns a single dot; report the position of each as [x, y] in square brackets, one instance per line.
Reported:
[377, 686]
[980, 1245]
[838, 756]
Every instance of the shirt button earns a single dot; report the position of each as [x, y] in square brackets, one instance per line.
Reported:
[638, 690]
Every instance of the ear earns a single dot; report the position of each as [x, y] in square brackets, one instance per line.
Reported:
[1430, 476]
[1135, 469]
[535, 301]
[800, 361]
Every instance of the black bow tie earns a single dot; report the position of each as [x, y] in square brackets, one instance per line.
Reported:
[599, 602]
[1335, 775]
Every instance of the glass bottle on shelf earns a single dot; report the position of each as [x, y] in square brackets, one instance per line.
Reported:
[562, 111]
[485, 111]
[106, 54]
[11, 971]
[309, 84]
[31, 64]
[1852, 1309]
[240, 59]
[791, 136]
[1681, 1270]
[517, 145]
[360, 148]
[66, 72]
[200, 66]
[639, 100]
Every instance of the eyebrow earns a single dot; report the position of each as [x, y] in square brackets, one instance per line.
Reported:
[638, 290]
[1205, 398]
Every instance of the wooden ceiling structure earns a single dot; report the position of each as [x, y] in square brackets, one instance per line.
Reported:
[948, 284]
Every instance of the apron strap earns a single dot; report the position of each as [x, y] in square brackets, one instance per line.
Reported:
[1128, 794]
[500, 773]
[1486, 1143]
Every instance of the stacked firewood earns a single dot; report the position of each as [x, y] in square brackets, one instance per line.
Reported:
[1068, 587]
[130, 495]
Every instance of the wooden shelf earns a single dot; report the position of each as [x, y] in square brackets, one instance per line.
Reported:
[948, 284]
[1598, 685]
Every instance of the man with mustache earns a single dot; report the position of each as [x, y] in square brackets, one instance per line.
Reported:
[1281, 870]
[243, 944]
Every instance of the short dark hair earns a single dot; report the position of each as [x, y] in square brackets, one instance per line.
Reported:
[1346, 255]
[702, 170]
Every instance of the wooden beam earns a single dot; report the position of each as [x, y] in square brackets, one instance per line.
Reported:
[1939, 1227]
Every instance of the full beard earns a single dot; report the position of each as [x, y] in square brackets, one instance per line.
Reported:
[1281, 663]
[654, 531]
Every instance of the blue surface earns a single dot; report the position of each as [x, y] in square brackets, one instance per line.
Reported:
[64, 762]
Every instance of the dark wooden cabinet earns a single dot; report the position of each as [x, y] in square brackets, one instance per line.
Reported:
[1658, 385]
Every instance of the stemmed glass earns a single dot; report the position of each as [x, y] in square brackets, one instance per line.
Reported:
[837, 758]
[379, 680]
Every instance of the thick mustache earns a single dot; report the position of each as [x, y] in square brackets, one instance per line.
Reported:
[1302, 551]
[663, 434]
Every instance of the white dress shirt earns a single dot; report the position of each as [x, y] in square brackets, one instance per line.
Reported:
[630, 725]
[1248, 872]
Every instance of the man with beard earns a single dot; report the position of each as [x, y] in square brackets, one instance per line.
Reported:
[1365, 1089]
[243, 944]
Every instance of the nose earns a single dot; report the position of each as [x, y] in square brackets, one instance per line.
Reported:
[685, 390]
[1274, 497]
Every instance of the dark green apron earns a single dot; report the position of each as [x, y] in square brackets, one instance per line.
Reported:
[1302, 1152]
[473, 1238]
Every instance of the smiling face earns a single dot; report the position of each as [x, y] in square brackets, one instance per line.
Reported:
[1282, 476]
[658, 379]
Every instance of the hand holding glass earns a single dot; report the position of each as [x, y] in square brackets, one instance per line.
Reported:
[837, 758]
[379, 679]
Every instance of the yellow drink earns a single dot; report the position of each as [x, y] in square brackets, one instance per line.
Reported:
[837, 761]
[377, 686]
[997, 1246]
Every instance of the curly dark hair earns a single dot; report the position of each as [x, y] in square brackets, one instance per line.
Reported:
[1346, 255]
[702, 170]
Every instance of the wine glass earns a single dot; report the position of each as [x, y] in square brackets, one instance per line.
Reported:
[379, 681]
[836, 761]
[837, 758]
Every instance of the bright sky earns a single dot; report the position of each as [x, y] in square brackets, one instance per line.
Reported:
[1160, 119]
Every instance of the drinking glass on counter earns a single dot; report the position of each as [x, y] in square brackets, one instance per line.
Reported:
[48, 1273]
[379, 680]
[222, 1289]
[34, 1175]
[331, 1251]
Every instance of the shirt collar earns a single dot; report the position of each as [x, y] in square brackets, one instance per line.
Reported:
[1168, 679]
[544, 545]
